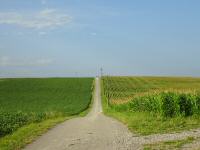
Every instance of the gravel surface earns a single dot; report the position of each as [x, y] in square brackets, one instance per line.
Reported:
[192, 146]
[98, 132]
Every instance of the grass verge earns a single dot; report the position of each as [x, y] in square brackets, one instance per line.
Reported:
[178, 144]
[87, 110]
[146, 123]
[27, 134]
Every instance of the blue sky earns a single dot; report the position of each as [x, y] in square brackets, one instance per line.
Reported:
[78, 37]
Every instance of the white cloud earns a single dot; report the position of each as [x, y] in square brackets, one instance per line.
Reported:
[47, 18]
[7, 61]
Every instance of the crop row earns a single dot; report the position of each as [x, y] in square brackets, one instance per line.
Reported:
[9, 122]
[121, 88]
[24, 101]
[166, 104]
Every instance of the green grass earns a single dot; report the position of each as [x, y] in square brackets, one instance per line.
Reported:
[28, 107]
[177, 144]
[27, 134]
[144, 123]
[143, 118]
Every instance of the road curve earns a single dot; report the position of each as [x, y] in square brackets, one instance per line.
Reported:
[92, 132]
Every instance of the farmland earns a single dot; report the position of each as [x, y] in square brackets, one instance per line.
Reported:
[153, 104]
[25, 101]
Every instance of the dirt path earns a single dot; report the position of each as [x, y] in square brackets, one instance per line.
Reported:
[93, 132]
[98, 132]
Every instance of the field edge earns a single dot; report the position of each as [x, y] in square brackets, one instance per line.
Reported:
[144, 123]
[29, 133]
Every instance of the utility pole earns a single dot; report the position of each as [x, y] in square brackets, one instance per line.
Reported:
[101, 72]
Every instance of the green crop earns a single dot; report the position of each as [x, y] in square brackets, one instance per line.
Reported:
[122, 89]
[153, 104]
[23, 101]
[167, 96]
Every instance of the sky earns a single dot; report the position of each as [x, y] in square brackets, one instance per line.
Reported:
[44, 38]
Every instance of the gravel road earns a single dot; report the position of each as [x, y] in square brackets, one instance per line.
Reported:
[92, 132]
[98, 132]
